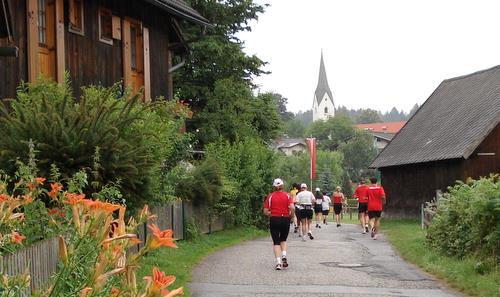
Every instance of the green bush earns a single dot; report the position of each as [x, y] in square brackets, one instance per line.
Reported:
[249, 169]
[467, 222]
[115, 138]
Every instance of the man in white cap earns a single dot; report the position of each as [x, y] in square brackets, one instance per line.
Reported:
[306, 199]
[278, 206]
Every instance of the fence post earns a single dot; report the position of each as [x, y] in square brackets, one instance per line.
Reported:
[422, 216]
[183, 221]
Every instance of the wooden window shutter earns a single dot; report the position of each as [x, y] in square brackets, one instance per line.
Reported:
[147, 68]
[32, 19]
[60, 56]
[127, 75]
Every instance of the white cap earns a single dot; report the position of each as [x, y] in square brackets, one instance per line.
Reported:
[277, 182]
[317, 190]
[303, 186]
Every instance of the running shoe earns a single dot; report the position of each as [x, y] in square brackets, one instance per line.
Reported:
[373, 233]
[278, 266]
[338, 225]
[375, 237]
[303, 238]
[285, 262]
[366, 229]
[319, 226]
[310, 236]
[295, 229]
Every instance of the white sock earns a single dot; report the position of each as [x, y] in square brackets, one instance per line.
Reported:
[283, 254]
[278, 260]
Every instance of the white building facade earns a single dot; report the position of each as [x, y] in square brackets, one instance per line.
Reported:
[323, 106]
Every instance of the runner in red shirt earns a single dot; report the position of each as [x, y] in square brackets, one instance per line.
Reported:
[279, 207]
[376, 200]
[361, 193]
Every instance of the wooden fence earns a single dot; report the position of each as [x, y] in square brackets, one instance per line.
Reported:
[41, 258]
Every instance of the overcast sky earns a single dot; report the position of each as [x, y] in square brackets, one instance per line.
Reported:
[378, 53]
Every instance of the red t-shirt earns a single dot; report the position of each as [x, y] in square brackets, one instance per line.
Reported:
[337, 197]
[375, 194]
[362, 193]
[278, 203]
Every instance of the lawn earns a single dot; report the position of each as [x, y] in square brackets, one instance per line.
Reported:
[181, 261]
[409, 239]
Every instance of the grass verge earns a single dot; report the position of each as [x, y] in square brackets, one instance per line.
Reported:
[409, 239]
[181, 261]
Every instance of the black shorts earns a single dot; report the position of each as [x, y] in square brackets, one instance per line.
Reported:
[279, 228]
[306, 214]
[337, 208]
[363, 207]
[325, 212]
[374, 214]
[318, 209]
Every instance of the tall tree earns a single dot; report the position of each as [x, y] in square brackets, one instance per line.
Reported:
[216, 56]
[368, 116]
[332, 133]
[282, 110]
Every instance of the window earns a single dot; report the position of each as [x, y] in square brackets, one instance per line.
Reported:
[76, 16]
[133, 47]
[326, 110]
[42, 23]
[105, 26]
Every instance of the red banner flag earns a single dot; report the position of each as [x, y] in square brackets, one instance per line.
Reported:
[311, 145]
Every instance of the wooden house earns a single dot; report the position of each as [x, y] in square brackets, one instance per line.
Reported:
[95, 41]
[454, 135]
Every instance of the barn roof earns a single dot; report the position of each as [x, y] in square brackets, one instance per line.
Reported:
[451, 124]
[182, 10]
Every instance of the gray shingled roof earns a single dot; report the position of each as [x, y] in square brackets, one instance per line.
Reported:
[322, 87]
[181, 9]
[451, 124]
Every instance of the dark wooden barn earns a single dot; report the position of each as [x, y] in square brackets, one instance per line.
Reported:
[454, 135]
[95, 41]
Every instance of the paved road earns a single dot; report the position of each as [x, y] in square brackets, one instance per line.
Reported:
[317, 268]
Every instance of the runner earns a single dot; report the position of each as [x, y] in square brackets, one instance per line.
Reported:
[338, 200]
[326, 207]
[318, 207]
[376, 200]
[278, 206]
[305, 199]
[293, 193]
[361, 193]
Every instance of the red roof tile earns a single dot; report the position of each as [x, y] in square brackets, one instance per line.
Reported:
[389, 127]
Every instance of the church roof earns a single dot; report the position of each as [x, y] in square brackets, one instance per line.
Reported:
[322, 87]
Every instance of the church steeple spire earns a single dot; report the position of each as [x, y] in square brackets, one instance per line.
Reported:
[323, 106]
[322, 87]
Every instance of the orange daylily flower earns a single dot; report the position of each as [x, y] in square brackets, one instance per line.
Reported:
[4, 197]
[161, 238]
[31, 186]
[40, 180]
[55, 189]
[99, 205]
[27, 198]
[16, 237]
[73, 199]
[159, 280]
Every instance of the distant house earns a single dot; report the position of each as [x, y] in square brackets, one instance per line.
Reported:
[382, 132]
[95, 41]
[454, 135]
[290, 146]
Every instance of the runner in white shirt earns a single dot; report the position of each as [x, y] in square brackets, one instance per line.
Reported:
[326, 207]
[305, 199]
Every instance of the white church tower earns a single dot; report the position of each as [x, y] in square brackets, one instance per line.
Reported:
[323, 106]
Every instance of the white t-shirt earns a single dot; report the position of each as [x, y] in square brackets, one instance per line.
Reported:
[305, 197]
[326, 202]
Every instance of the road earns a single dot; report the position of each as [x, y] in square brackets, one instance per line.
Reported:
[338, 262]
